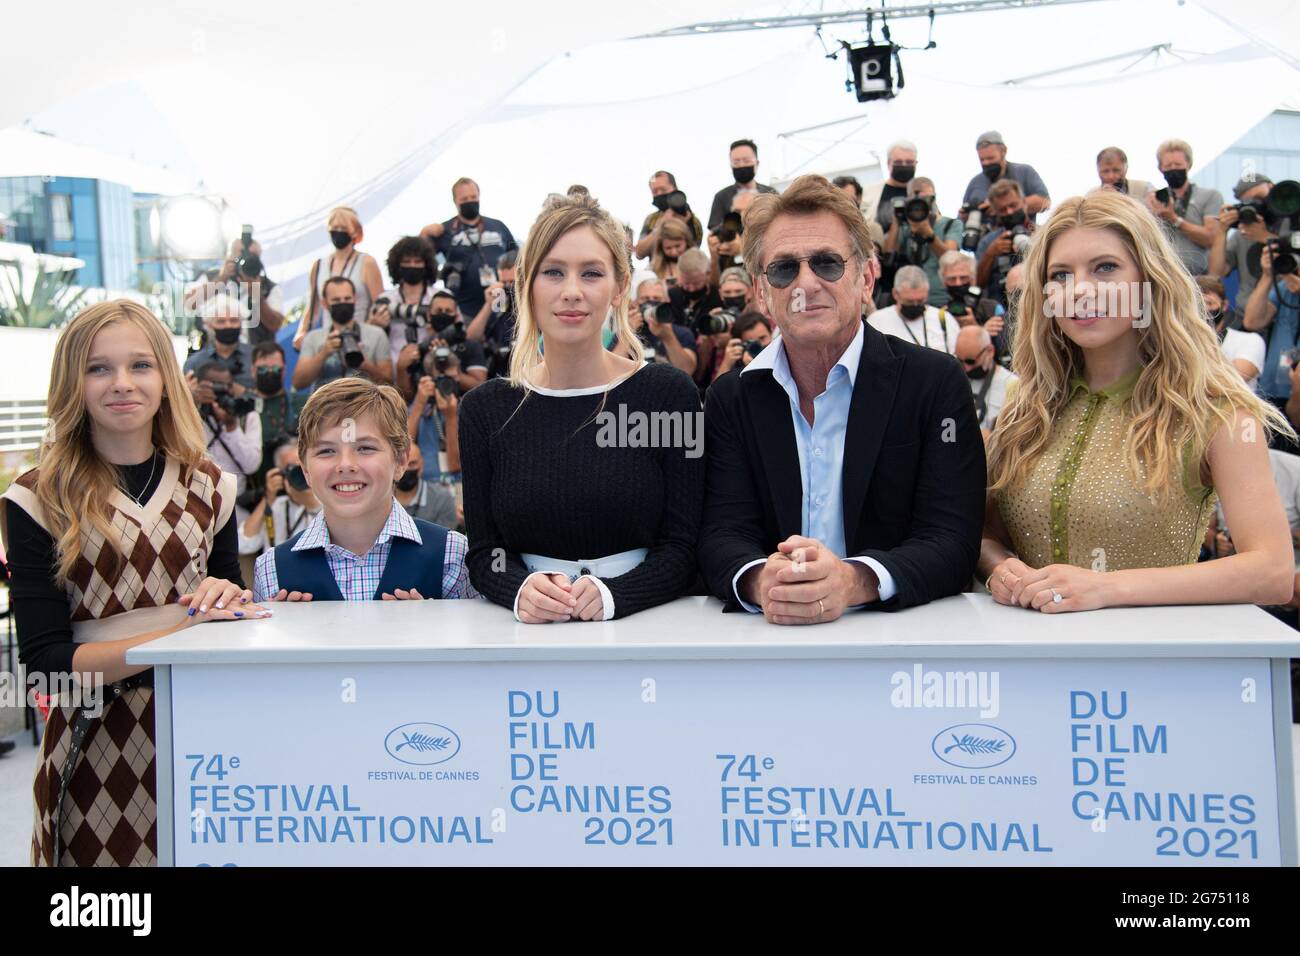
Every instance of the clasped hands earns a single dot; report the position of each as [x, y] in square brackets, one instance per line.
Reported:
[805, 582]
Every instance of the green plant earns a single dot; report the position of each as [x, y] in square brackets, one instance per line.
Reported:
[51, 304]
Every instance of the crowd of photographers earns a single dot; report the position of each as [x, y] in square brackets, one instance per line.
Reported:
[444, 320]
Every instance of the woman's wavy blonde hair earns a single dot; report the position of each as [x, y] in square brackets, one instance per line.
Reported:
[669, 230]
[74, 484]
[559, 215]
[1186, 390]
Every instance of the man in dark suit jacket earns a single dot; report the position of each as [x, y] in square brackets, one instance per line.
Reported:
[744, 167]
[845, 468]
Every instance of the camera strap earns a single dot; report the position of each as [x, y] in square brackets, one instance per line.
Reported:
[216, 437]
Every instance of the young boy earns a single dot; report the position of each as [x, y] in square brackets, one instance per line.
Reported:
[362, 546]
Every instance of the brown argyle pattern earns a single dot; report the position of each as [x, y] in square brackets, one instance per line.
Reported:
[110, 811]
[165, 557]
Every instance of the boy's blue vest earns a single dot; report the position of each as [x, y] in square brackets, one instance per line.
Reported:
[410, 565]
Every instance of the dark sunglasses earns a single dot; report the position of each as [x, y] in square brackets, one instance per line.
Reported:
[825, 265]
[972, 362]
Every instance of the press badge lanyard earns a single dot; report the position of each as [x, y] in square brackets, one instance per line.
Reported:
[925, 330]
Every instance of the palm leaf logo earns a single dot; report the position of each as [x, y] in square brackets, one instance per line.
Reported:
[423, 742]
[970, 744]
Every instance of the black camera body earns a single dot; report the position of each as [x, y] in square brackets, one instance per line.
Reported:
[974, 231]
[1286, 255]
[753, 347]
[351, 347]
[249, 264]
[658, 312]
[451, 275]
[917, 209]
[232, 406]
[730, 228]
[1252, 211]
[706, 324]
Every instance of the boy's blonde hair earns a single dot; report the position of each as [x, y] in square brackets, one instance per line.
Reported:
[352, 398]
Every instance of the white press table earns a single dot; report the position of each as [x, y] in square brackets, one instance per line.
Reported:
[958, 733]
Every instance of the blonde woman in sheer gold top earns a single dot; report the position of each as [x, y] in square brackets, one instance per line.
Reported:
[1127, 426]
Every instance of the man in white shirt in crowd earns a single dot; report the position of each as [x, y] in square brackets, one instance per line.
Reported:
[910, 318]
[232, 429]
[990, 383]
[288, 500]
[1245, 350]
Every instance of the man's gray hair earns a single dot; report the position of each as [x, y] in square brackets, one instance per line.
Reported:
[911, 277]
[906, 144]
[223, 305]
[643, 283]
[955, 257]
[694, 261]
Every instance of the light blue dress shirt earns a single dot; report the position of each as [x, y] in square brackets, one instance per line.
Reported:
[821, 455]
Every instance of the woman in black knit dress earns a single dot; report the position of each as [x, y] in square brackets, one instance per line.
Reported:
[583, 471]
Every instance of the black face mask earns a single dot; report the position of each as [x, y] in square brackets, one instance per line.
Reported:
[468, 210]
[734, 302]
[1215, 317]
[1011, 220]
[902, 174]
[409, 480]
[341, 238]
[743, 174]
[1176, 178]
[270, 379]
[977, 373]
[440, 320]
[413, 275]
[660, 202]
[692, 293]
[226, 336]
[911, 311]
[668, 258]
[992, 170]
[342, 312]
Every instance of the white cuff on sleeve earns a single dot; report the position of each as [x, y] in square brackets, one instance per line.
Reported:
[521, 591]
[887, 587]
[735, 585]
[606, 599]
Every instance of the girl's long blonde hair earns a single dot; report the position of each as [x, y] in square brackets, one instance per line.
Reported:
[559, 215]
[1187, 389]
[74, 483]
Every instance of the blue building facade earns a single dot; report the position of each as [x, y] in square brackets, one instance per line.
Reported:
[89, 219]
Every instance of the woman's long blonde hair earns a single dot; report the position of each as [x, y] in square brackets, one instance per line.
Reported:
[1187, 390]
[74, 483]
[669, 230]
[559, 215]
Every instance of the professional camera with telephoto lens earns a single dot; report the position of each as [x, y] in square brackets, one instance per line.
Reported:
[295, 477]
[730, 228]
[498, 357]
[706, 324]
[1162, 196]
[917, 209]
[248, 264]
[1286, 255]
[351, 347]
[676, 201]
[232, 406]
[753, 347]
[657, 312]
[974, 231]
[451, 276]
[968, 303]
[436, 363]
[1251, 211]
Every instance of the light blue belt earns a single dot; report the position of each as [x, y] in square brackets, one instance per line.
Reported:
[610, 566]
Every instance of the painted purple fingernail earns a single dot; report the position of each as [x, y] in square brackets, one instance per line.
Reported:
[243, 600]
[190, 613]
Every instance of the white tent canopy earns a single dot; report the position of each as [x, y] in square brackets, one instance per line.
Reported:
[302, 107]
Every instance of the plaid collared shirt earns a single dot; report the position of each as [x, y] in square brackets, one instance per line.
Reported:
[358, 577]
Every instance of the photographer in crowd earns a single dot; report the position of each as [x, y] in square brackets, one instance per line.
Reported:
[243, 277]
[1006, 243]
[1187, 212]
[1245, 350]
[670, 203]
[910, 317]
[277, 408]
[232, 429]
[471, 244]
[876, 200]
[402, 310]
[347, 262]
[749, 336]
[966, 303]
[223, 318]
[990, 383]
[992, 153]
[1273, 310]
[744, 170]
[422, 498]
[919, 236]
[673, 242]
[287, 500]
[1112, 170]
[433, 422]
[494, 326]
[653, 320]
[448, 352]
[346, 347]
[1241, 231]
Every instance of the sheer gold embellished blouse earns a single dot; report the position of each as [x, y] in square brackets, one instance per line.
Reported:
[1078, 505]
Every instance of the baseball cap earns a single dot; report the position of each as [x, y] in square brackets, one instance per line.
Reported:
[991, 138]
[1249, 181]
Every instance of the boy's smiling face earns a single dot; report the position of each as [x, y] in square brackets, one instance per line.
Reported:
[351, 468]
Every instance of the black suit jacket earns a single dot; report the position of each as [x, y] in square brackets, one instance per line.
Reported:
[913, 479]
[722, 203]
